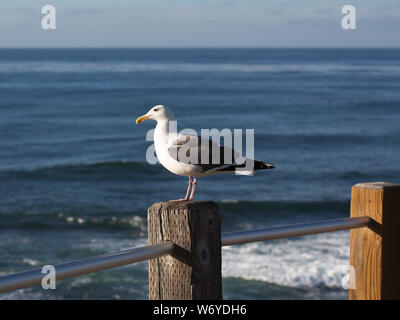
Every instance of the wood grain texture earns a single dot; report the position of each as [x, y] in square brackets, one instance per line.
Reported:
[194, 270]
[375, 251]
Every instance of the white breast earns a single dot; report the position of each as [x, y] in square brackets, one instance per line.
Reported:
[162, 142]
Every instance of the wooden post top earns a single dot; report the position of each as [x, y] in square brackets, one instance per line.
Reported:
[377, 185]
[191, 205]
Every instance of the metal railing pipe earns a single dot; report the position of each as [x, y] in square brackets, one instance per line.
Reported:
[302, 229]
[113, 260]
[87, 265]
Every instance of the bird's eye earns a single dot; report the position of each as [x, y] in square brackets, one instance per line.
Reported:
[155, 109]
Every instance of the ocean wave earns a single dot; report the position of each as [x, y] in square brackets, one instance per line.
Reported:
[133, 170]
[241, 215]
[73, 220]
[280, 206]
[342, 139]
[338, 174]
[129, 282]
[103, 169]
[313, 261]
[90, 67]
[235, 214]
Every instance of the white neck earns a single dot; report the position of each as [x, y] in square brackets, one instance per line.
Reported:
[161, 132]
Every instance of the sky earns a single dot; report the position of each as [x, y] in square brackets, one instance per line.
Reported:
[199, 23]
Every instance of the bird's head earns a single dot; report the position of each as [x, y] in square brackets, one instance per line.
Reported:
[157, 113]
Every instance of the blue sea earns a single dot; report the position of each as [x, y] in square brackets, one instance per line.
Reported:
[74, 181]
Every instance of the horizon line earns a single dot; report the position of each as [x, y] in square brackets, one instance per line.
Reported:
[199, 47]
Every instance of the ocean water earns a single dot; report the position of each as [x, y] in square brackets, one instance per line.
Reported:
[74, 181]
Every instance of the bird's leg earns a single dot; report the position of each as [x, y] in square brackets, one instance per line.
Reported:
[187, 191]
[193, 188]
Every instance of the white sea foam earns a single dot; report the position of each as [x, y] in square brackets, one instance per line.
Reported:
[230, 201]
[30, 262]
[22, 294]
[87, 67]
[81, 281]
[319, 260]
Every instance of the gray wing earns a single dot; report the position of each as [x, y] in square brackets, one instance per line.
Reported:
[202, 152]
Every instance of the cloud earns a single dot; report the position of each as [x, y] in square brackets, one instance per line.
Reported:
[91, 11]
[328, 11]
[229, 3]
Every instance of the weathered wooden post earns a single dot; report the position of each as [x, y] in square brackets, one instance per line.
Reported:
[194, 270]
[375, 251]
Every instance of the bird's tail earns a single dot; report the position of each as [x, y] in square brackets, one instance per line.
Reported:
[259, 165]
[247, 169]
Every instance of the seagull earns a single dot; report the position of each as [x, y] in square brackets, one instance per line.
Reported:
[191, 155]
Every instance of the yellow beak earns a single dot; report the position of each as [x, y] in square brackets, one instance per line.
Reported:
[141, 119]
